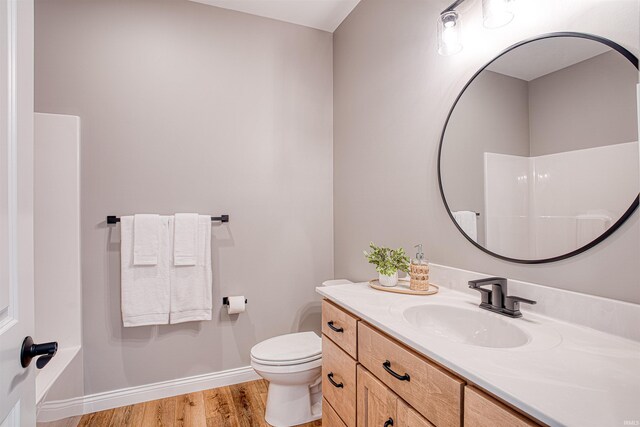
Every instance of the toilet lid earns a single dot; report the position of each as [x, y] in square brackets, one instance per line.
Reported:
[301, 346]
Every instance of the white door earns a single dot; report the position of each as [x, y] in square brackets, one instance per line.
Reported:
[17, 384]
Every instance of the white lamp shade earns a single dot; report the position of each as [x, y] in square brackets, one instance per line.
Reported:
[449, 34]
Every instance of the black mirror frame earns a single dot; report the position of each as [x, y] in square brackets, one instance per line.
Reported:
[634, 205]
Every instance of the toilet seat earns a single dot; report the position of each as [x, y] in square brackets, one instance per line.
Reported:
[286, 369]
[288, 350]
[286, 362]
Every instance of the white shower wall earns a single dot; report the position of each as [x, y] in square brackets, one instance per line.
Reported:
[58, 294]
[529, 212]
[507, 200]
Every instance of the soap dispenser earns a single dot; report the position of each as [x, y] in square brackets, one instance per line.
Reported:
[419, 271]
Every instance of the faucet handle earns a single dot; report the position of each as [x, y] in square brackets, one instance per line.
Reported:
[485, 295]
[520, 299]
[512, 305]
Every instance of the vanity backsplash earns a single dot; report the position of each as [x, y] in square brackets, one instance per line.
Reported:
[607, 315]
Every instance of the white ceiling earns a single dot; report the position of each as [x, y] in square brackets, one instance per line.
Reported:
[321, 14]
[545, 56]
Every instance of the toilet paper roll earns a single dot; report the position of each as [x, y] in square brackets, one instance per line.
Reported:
[236, 304]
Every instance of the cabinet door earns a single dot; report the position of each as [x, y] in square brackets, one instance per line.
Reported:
[409, 417]
[376, 403]
[339, 381]
[329, 416]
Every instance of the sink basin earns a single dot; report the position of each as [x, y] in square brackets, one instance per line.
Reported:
[472, 327]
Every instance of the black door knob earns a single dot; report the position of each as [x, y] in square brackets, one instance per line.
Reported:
[30, 350]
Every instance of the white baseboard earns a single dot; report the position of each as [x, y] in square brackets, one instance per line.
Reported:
[56, 410]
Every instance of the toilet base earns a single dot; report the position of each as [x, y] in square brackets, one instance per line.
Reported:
[292, 405]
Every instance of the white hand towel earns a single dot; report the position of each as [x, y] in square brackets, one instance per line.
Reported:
[191, 284]
[146, 230]
[467, 221]
[185, 239]
[145, 289]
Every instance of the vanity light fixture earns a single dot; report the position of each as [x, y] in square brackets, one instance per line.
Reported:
[449, 33]
[495, 13]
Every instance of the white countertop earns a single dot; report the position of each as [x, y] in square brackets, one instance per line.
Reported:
[566, 375]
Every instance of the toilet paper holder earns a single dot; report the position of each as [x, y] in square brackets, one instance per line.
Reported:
[225, 301]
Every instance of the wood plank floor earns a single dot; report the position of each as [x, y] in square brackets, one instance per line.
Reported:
[240, 405]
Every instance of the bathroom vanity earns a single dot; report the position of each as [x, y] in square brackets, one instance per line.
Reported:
[397, 360]
[370, 379]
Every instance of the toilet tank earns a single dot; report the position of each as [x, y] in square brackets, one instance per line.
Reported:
[310, 316]
[336, 282]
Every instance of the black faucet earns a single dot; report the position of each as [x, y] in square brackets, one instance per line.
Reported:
[491, 299]
[496, 299]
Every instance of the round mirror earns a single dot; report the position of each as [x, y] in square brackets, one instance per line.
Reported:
[539, 159]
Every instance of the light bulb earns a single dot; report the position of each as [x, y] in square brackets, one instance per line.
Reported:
[496, 13]
[449, 34]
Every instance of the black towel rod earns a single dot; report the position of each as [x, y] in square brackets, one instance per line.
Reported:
[111, 219]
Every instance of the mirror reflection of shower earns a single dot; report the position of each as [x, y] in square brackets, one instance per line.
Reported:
[543, 145]
[527, 211]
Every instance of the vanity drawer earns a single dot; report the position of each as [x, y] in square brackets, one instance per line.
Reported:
[339, 381]
[341, 327]
[329, 416]
[482, 410]
[429, 389]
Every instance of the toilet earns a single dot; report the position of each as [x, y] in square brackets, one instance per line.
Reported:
[292, 364]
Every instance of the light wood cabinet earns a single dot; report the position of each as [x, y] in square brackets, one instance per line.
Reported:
[339, 381]
[329, 416]
[371, 380]
[409, 417]
[341, 327]
[377, 405]
[429, 389]
[481, 410]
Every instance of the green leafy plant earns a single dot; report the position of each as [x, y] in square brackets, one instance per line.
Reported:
[386, 260]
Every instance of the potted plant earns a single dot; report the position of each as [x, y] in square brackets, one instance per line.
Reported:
[388, 262]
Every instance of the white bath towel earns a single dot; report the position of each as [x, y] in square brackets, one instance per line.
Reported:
[191, 284]
[145, 289]
[146, 231]
[185, 239]
[468, 222]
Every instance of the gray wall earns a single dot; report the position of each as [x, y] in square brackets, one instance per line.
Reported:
[586, 105]
[491, 116]
[191, 108]
[392, 92]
